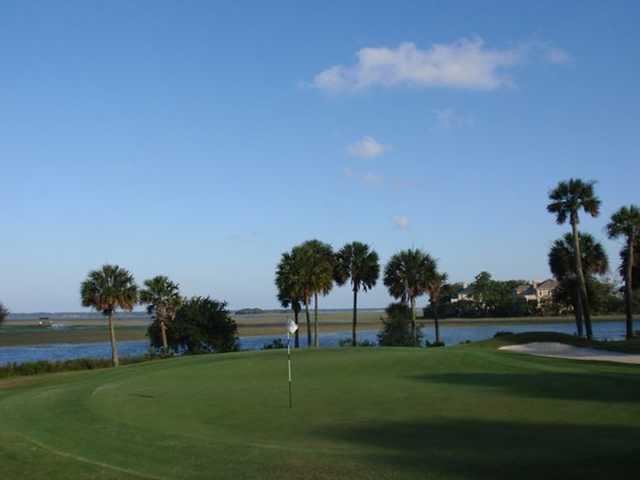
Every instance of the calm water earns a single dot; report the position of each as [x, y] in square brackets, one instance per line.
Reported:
[452, 335]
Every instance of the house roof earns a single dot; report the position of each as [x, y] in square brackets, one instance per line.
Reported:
[548, 284]
[530, 289]
[525, 290]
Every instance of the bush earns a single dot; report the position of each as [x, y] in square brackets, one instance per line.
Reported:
[201, 325]
[274, 345]
[44, 366]
[434, 344]
[396, 328]
[346, 342]
[161, 352]
[502, 333]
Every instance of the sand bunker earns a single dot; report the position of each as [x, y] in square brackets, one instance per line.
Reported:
[561, 350]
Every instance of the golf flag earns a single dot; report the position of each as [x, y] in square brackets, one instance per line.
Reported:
[291, 327]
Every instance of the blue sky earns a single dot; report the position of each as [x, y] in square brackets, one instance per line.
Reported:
[202, 139]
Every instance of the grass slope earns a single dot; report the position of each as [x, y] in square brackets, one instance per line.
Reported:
[461, 412]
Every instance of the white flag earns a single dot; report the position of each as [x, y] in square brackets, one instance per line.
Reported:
[291, 327]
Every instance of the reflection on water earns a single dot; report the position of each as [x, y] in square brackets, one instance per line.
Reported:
[451, 335]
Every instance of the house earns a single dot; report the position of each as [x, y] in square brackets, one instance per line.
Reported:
[532, 292]
[537, 291]
[466, 294]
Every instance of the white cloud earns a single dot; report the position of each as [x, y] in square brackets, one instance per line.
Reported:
[367, 147]
[450, 118]
[401, 222]
[466, 63]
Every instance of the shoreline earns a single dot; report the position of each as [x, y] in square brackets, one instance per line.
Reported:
[19, 333]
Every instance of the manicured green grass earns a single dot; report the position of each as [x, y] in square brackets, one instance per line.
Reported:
[448, 413]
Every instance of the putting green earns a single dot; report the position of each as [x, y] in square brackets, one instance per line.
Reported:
[461, 412]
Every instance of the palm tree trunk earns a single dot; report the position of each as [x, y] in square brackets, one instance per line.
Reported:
[414, 332]
[355, 318]
[296, 338]
[163, 330]
[316, 340]
[306, 311]
[436, 322]
[627, 287]
[581, 281]
[114, 347]
[578, 312]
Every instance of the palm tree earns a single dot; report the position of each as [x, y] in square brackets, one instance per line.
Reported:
[163, 299]
[290, 291]
[562, 262]
[303, 284]
[404, 277]
[357, 262]
[567, 199]
[435, 284]
[4, 313]
[626, 222]
[635, 265]
[106, 290]
[317, 262]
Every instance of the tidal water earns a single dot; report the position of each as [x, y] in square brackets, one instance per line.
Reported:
[451, 335]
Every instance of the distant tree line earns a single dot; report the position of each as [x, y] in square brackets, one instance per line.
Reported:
[249, 311]
[498, 299]
[486, 297]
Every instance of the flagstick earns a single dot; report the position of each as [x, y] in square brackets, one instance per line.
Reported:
[291, 329]
[289, 364]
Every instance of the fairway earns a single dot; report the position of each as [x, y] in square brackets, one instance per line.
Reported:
[461, 412]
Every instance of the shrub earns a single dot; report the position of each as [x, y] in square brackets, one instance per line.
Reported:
[502, 333]
[396, 328]
[161, 352]
[433, 344]
[201, 325]
[44, 366]
[275, 344]
[346, 342]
